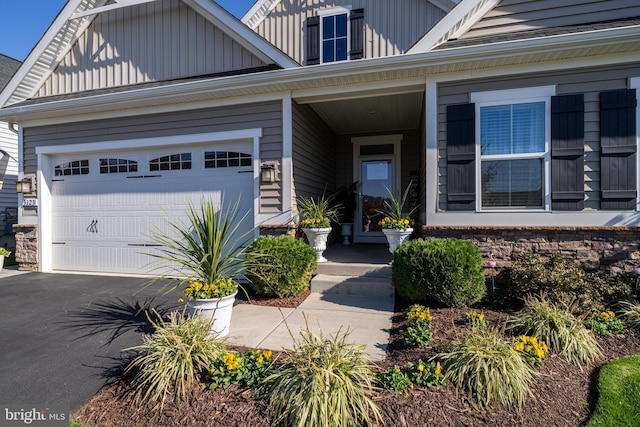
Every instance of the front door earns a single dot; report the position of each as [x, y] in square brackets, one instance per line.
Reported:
[376, 169]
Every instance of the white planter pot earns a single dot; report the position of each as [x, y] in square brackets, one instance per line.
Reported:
[396, 237]
[318, 240]
[1, 262]
[215, 310]
[347, 228]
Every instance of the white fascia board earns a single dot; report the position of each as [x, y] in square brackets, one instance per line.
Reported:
[260, 47]
[293, 77]
[454, 24]
[40, 48]
[119, 4]
[443, 5]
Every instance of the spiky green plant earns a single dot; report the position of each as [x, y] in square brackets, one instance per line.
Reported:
[318, 213]
[326, 382]
[564, 333]
[206, 247]
[630, 313]
[486, 369]
[173, 357]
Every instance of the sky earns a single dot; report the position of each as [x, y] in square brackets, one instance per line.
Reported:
[24, 22]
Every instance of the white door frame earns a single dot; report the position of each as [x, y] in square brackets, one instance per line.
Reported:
[357, 142]
[46, 155]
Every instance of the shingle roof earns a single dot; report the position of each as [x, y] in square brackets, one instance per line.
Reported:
[541, 32]
[8, 67]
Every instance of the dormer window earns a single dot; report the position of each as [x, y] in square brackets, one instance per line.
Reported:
[335, 35]
[334, 38]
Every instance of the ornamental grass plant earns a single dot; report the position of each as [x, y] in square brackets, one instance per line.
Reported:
[326, 382]
[564, 333]
[486, 369]
[393, 216]
[175, 356]
[630, 313]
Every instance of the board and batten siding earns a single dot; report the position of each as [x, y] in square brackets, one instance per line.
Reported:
[314, 151]
[266, 116]
[391, 26]
[589, 82]
[8, 195]
[157, 41]
[521, 15]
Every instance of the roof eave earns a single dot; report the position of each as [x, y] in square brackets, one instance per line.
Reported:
[440, 61]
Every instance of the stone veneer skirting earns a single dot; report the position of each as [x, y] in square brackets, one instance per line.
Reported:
[614, 249]
[26, 246]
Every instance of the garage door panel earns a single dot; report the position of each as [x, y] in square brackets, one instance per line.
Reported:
[125, 209]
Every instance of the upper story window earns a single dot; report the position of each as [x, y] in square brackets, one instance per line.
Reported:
[180, 161]
[334, 38]
[336, 34]
[513, 149]
[76, 167]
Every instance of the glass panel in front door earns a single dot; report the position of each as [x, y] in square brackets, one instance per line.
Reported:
[377, 180]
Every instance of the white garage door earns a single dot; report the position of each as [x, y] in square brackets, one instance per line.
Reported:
[106, 205]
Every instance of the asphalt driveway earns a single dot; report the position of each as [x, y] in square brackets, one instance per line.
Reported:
[62, 335]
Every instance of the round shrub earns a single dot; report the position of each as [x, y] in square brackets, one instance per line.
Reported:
[280, 266]
[445, 271]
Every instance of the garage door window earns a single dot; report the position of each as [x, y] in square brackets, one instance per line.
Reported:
[171, 162]
[226, 159]
[76, 167]
[118, 166]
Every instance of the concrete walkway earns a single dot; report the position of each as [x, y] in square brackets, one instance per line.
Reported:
[367, 318]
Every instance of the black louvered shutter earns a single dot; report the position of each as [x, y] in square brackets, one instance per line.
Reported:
[461, 157]
[567, 152]
[618, 149]
[313, 40]
[356, 18]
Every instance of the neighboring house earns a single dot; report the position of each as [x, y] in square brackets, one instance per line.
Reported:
[514, 121]
[8, 163]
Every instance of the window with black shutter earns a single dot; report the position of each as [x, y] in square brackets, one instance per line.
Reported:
[618, 150]
[334, 37]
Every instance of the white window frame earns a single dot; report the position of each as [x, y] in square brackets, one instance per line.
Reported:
[334, 11]
[512, 97]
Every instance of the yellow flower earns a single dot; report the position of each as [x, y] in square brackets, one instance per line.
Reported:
[260, 360]
[420, 367]
[180, 299]
[267, 354]
[438, 368]
[519, 346]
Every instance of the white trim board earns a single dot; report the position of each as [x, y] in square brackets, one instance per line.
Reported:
[634, 83]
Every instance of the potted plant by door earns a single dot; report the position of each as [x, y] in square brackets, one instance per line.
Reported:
[396, 225]
[3, 253]
[346, 197]
[315, 220]
[207, 253]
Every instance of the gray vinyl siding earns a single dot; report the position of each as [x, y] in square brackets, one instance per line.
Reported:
[589, 82]
[267, 116]
[521, 15]
[391, 26]
[8, 195]
[158, 41]
[314, 153]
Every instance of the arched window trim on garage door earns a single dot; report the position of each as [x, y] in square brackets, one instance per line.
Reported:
[75, 167]
[178, 161]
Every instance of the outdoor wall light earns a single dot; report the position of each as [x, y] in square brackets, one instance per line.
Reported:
[26, 185]
[268, 172]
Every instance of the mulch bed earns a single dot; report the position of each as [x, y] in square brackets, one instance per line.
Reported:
[564, 394]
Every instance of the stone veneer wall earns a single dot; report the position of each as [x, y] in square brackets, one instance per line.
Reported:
[614, 249]
[26, 246]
